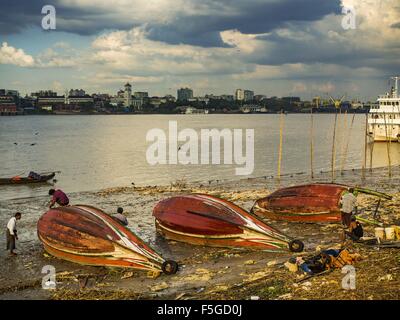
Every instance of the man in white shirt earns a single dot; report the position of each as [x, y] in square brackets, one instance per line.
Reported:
[348, 207]
[11, 232]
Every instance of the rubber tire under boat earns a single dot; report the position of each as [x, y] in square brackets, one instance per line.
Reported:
[173, 267]
[296, 246]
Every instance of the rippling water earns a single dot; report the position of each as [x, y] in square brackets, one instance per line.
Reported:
[94, 152]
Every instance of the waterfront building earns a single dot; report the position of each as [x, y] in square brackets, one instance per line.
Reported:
[7, 105]
[253, 108]
[185, 94]
[239, 95]
[192, 110]
[141, 94]
[44, 93]
[77, 93]
[128, 95]
[248, 95]
[77, 100]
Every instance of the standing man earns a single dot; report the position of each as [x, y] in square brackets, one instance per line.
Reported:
[59, 197]
[12, 233]
[349, 204]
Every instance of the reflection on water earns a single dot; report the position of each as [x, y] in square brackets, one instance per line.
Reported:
[381, 151]
[95, 152]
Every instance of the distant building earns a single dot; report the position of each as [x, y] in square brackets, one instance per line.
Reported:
[228, 97]
[253, 108]
[7, 105]
[185, 94]
[141, 94]
[77, 93]
[291, 99]
[316, 101]
[7, 92]
[44, 93]
[260, 97]
[128, 95]
[239, 95]
[77, 100]
[192, 110]
[248, 95]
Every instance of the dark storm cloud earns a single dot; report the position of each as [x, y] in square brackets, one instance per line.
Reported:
[199, 29]
[250, 18]
[16, 15]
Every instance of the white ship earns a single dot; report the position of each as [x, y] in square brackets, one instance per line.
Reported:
[384, 117]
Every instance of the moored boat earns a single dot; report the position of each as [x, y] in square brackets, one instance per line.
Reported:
[319, 202]
[207, 220]
[87, 235]
[26, 180]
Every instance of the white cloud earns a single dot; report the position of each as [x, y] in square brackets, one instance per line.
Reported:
[11, 55]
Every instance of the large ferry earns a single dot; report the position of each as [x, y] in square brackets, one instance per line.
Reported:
[384, 117]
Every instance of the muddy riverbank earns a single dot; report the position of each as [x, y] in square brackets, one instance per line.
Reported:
[205, 273]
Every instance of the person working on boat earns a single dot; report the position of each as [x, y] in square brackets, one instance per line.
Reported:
[348, 206]
[59, 197]
[12, 233]
[120, 217]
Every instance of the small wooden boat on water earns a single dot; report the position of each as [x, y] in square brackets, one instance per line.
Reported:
[86, 235]
[319, 202]
[26, 180]
[206, 220]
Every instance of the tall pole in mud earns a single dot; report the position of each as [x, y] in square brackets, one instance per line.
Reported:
[280, 146]
[312, 144]
[347, 144]
[334, 148]
[343, 144]
[388, 147]
[364, 166]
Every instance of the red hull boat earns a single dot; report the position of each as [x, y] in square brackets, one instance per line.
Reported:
[86, 235]
[318, 202]
[206, 220]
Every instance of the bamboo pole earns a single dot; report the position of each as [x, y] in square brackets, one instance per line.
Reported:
[364, 166]
[387, 147]
[334, 148]
[347, 144]
[280, 145]
[371, 153]
[312, 145]
[345, 138]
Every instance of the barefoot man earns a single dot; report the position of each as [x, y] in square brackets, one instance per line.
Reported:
[12, 233]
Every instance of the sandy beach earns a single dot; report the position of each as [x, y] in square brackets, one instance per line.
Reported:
[205, 273]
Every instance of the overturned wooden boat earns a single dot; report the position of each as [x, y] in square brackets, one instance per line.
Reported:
[318, 202]
[206, 220]
[26, 180]
[87, 235]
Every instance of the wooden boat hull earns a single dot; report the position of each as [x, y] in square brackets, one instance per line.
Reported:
[11, 181]
[206, 220]
[86, 235]
[305, 203]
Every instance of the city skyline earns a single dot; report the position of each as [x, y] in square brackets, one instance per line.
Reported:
[276, 48]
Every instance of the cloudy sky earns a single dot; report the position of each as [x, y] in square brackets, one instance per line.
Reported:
[275, 47]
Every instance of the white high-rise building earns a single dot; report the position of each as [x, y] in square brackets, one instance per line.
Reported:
[239, 95]
[128, 95]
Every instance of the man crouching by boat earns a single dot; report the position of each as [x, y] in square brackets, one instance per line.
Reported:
[349, 205]
[59, 197]
[119, 216]
[11, 232]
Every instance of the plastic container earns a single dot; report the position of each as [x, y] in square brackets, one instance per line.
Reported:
[380, 233]
[390, 234]
[397, 231]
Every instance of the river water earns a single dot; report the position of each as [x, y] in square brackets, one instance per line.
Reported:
[95, 152]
